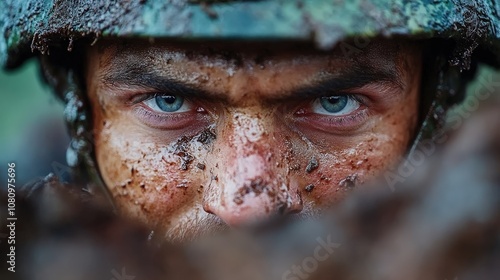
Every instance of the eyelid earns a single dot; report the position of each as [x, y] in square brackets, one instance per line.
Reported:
[365, 99]
[361, 99]
[138, 98]
[300, 108]
[317, 107]
[165, 121]
[335, 125]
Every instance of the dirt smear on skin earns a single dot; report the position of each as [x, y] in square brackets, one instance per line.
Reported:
[257, 186]
[201, 166]
[279, 199]
[312, 165]
[183, 146]
[182, 151]
[349, 182]
[309, 188]
[207, 136]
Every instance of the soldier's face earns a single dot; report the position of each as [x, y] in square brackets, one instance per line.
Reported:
[191, 138]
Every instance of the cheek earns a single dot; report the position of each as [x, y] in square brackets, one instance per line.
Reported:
[339, 172]
[351, 162]
[144, 177]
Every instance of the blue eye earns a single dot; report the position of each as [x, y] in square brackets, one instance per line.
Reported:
[167, 104]
[335, 105]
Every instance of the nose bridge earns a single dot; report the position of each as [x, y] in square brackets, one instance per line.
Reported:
[249, 156]
[248, 128]
[251, 179]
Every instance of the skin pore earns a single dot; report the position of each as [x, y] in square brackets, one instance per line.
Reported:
[193, 137]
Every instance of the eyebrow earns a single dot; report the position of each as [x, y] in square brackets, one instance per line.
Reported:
[153, 81]
[354, 77]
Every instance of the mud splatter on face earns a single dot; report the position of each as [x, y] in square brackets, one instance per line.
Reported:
[309, 188]
[312, 165]
[182, 151]
[256, 187]
[206, 136]
[200, 166]
[247, 141]
[349, 182]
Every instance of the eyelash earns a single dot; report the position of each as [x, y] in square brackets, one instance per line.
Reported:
[326, 123]
[359, 115]
[136, 99]
[163, 120]
[303, 114]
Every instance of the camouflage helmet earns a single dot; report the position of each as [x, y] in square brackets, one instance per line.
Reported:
[38, 25]
[29, 28]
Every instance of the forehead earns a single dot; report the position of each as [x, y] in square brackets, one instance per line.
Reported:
[377, 52]
[263, 68]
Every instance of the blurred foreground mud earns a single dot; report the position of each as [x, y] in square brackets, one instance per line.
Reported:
[441, 221]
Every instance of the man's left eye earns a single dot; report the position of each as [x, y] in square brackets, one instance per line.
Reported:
[335, 105]
[167, 104]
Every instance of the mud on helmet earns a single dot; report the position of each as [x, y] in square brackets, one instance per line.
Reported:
[462, 33]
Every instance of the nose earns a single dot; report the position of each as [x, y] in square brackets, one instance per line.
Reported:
[249, 182]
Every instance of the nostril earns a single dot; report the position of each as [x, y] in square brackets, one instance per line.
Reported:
[250, 200]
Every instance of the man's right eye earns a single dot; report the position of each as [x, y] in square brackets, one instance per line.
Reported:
[164, 103]
[168, 111]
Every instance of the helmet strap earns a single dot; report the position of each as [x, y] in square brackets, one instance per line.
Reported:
[443, 87]
[80, 155]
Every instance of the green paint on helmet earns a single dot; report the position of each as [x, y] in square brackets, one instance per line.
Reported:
[32, 26]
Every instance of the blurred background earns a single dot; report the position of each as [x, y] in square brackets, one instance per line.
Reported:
[414, 232]
[33, 133]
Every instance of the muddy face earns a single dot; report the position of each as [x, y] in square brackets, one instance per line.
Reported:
[191, 138]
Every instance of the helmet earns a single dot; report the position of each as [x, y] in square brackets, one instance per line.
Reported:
[470, 30]
[36, 25]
